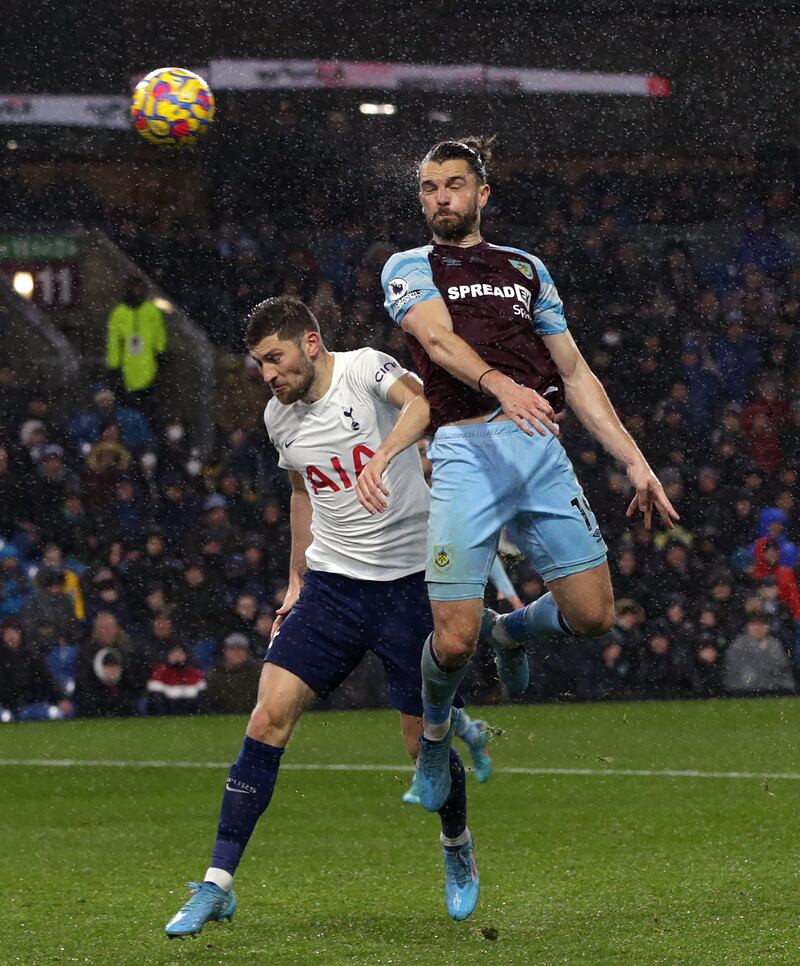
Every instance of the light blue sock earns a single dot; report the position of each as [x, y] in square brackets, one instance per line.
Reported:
[463, 722]
[439, 685]
[539, 619]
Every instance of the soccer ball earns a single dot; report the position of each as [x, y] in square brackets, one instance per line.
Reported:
[172, 106]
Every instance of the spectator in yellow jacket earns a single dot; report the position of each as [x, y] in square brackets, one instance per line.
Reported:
[136, 337]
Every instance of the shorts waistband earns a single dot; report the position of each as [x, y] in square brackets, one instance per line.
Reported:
[477, 430]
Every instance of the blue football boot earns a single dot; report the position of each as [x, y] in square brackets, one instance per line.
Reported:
[512, 662]
[433, 769]
[461, 883]
[411, 794]
[476, 738]
[208, 902]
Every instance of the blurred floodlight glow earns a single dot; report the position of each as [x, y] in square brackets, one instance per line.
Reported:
[369, 108]
[23, 284]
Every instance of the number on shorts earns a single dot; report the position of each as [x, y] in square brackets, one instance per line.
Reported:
[578, 503]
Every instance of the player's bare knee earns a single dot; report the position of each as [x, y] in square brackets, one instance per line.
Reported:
[594, 622]
[455, 647]
[270, 725]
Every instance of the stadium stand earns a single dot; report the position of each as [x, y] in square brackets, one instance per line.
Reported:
[681, 281]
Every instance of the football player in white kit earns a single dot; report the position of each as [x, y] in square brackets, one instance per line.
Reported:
[356, 579]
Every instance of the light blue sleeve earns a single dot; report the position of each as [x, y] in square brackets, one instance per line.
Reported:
[548, 311]
[500, 579]
[407, 280]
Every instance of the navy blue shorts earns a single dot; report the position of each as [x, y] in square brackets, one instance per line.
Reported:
[337, 619]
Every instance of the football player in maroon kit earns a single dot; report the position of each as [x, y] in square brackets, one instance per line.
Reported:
[486, 328]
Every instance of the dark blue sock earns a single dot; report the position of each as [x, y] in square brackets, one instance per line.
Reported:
[453, 813]
[248, 791]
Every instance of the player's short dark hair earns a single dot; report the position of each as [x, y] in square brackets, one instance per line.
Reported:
[286, 316]
[475, 150]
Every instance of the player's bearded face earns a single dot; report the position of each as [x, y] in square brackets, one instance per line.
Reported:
[286, 367]
[450, 225]
[295, 378]
[451, 199]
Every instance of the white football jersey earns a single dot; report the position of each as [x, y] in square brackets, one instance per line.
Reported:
[328, 442]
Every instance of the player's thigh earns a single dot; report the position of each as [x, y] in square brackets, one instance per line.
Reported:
[323, 638]
[471, 500]
[282, 699]
[401, 624]
[555, 527]
[586, 600]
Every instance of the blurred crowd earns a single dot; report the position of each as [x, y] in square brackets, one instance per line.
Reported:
[137, 578]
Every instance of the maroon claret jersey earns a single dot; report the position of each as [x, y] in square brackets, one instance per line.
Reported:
[501, 300]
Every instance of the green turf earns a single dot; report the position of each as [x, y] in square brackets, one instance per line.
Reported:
[602, 869]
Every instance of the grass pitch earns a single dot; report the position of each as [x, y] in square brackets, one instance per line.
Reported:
[603, 868]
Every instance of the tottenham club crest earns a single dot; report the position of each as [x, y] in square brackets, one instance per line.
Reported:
[397, 288]
[348, 414]
[443, 556]
[523, 267]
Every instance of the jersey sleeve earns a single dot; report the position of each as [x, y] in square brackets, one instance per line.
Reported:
[407, 280]
[375, 372]
[548, 311]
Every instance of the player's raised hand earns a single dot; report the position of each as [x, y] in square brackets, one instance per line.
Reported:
[371, 489]
[649, 494]
[526, 407]
[283, 611]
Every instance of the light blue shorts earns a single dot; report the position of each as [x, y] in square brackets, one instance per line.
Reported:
[490, 475]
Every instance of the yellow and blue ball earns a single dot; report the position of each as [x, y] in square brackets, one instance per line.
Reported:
[172, 107]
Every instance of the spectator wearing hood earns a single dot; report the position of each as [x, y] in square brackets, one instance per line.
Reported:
[772, 526]
[104, 594]
[111, 671]
[135, 340]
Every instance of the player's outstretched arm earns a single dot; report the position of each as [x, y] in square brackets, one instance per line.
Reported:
[300, 523]
[588, 400]
[430, 324]
[406, 395]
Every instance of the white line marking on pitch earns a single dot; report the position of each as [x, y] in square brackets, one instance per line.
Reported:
[299, 766]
